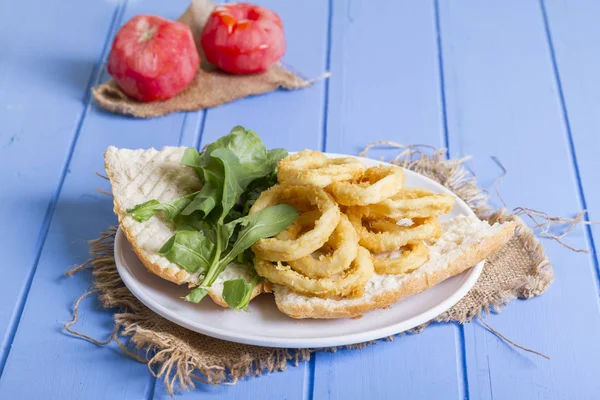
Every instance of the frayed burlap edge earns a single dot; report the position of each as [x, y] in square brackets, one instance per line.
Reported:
[170, 355]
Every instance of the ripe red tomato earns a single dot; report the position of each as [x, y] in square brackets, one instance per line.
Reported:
[243, 38]
[153, 58]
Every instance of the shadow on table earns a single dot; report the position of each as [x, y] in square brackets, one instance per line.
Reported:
[60, 75]
[75, 221]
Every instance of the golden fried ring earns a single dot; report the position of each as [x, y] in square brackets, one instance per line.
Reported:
[316, 169]
[344, 247]
[275, 249]
[350, 283]
[303, 221]
[414, 203]
[393, 236]
[375, 185]
[414, 255]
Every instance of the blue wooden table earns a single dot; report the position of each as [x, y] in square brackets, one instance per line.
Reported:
[516, 79]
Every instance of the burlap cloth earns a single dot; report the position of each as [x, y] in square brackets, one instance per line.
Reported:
[519, 270]
[210, 87]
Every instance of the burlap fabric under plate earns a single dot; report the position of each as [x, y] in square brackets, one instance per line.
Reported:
[519, 270]
[209, 88]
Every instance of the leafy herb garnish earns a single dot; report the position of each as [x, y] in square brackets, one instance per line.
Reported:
[213, 225]
[170, 210]
[191, 250]
[196, 295]
[238, 292]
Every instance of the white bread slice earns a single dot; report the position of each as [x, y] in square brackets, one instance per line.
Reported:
[465, 241]
[137, 176]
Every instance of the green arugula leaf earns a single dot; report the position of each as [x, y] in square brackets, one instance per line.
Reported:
[191, 250]
[265, 223]
[192, 222]
[227, 167]
[274, 156]
[234, 177]
[191, 158]
[245, 257]
[237, 292]
[170, 210]
[213, 227]
[210, 195]
[196, 295]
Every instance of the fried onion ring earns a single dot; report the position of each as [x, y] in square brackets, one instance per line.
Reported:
[315, 168]
[343, 245]
[373, 186]
[414, 203]
[278, 249]
[304, 222]
[414, 255]
[385, 235]
[350, 283]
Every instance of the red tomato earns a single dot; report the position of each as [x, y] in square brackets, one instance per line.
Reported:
[153, 58]
[243, 38]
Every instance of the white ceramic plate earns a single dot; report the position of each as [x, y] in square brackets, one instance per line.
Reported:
[265, 325]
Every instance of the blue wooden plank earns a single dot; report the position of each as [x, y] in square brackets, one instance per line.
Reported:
[574, 39]
[281, 385]
[73, 368]
[292, 120]
[502, 100]
[41, 93]
[385, 85]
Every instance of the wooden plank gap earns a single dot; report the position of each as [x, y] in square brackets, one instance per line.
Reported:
[461, 361]
[182, 129]
[440, 59]
[327, 69]
[309, 378]
[149, 395]
[200, 133]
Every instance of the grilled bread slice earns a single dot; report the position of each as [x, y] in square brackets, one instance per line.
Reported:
[137, 176]
[465, 241]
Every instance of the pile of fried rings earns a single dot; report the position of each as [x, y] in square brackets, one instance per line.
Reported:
[353, 222]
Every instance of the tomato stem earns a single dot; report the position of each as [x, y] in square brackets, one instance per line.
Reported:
[147, 35]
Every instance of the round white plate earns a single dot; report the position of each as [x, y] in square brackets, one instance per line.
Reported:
[265, 325]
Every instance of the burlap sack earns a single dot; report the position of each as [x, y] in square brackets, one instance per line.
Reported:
[519, 270]
[210, 88]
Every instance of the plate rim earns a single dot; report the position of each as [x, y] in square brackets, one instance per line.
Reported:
[133, 284]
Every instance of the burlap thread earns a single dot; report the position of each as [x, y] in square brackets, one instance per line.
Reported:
[180, 357]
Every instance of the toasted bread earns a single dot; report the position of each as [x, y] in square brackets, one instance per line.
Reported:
[137, 176]
[465, 241]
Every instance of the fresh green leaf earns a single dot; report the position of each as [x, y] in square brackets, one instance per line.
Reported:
[276, 155]
[213, 227]
[227, 167]
[210, 195]
[265, 223]
[188, 249]
[170, 210]
[234, 177]
[254, 190]
[191, 158]
[237, 293]
[214, 231]
[245, 257]
[196, 295]
[192, 222]
[144, 211]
